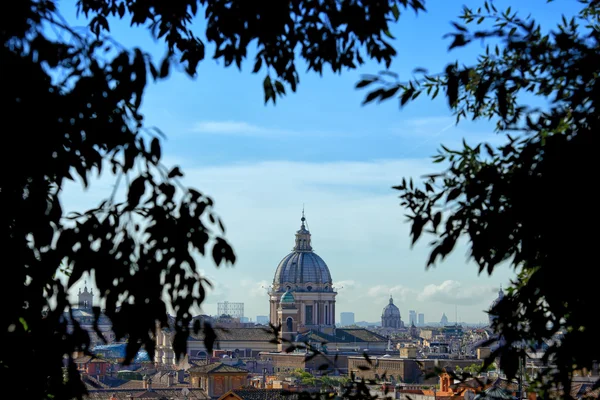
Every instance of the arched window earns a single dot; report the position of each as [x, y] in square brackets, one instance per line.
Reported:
[290, 324]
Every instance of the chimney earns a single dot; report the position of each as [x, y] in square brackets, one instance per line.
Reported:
[180, 376]
[171, 378]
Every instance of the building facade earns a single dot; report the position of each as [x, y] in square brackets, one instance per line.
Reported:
[234, 310]
[307, 280]
[407, 370]
[218, 378]
[84, 315]
[421, 320]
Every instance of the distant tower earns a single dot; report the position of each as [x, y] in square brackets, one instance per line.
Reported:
[346, 318]
[412, 317]
[287, 313]
[421, 320]
[494, 303]
[414, 332]
[86, 299]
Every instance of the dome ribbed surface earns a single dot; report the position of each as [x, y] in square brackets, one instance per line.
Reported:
[391, 310]
[301, 267]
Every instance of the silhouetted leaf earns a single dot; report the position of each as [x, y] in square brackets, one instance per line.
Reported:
[155, 150]
[136, 191]
[164, 68]
[210, 337]
[175, 173]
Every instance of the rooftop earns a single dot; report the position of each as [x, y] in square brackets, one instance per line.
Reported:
[239, 334]
[261, 394]
[216, 368]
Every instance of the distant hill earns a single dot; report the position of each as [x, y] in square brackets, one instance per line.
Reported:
[365, 323]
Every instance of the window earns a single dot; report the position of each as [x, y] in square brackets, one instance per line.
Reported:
[309, 315]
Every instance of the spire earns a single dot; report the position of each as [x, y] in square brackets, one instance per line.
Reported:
[303, 218]
[391, 299]
[302, 236]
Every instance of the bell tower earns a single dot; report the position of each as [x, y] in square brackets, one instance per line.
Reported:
[85, 298]
[287, 314]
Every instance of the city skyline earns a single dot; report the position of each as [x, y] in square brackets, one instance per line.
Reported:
[321, 148]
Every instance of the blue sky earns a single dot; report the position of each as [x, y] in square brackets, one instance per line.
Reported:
[321, 148]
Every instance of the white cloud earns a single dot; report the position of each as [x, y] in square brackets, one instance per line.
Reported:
[429, 122]
[242, 128]
[357, 226]
[255, 289]
[234, 128]
[348, 284]
[399, 293]
[454, 292]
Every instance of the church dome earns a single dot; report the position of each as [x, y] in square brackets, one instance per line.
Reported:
[287, 297]
[492, 317]
[391, 310]
[497, 300]
[302, 267]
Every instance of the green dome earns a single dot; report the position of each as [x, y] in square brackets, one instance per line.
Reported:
[287, 297]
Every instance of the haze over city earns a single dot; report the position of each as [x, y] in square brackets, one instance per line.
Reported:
[341, 199]
[320, 148]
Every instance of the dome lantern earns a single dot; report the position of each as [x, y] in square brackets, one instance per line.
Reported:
[302, 269]
[302, 237]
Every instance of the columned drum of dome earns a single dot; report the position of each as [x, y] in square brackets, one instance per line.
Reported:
[304, 276]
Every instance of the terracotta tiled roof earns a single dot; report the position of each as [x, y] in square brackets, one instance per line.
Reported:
[345, 336]
[262, 394]
[170, 393]
[147, 395]
[216, 368]
[508, 385]
[472, 383]
[584, 391]
[363, 334]
[133, 384]
[261, 334]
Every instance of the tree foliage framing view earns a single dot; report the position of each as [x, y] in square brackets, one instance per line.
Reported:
[73, 98]
[529, 203]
